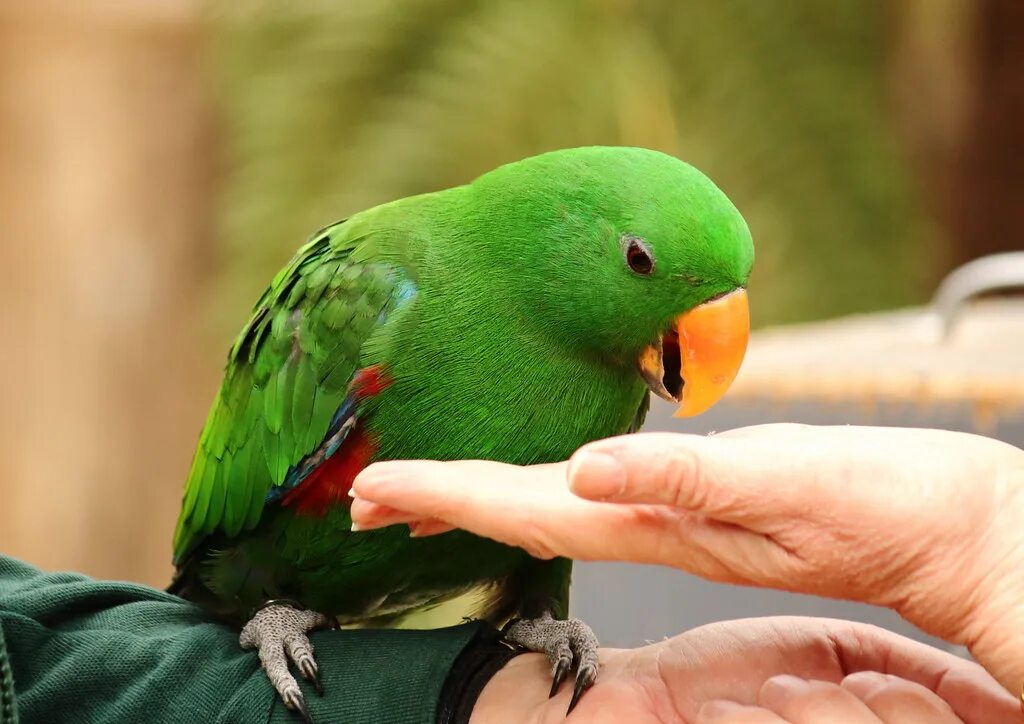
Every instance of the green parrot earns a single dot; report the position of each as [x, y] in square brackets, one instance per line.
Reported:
[513, 319]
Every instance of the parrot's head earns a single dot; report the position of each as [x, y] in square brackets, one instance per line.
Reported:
[627, 255]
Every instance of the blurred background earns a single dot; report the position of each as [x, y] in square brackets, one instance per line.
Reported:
[160, 159]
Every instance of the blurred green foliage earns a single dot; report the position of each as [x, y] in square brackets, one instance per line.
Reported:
[331, 107]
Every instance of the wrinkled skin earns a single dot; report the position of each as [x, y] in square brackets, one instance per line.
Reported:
[926, 522]
[742, 662]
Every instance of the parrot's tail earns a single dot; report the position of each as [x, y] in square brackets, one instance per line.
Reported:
[189, 583]
[184, 582]
[178, 585]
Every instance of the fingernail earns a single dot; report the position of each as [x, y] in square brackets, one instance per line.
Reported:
[370, 516]
[371, 525]
[419, 530]
[596, 475]
[351, 492]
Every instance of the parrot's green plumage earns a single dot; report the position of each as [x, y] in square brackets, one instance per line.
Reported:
[499, 320]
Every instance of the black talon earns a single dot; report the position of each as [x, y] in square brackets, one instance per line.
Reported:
[582, 684]
[300, 706]
[561, 671]
[315, 678]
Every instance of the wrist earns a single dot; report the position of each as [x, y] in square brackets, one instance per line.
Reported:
[483, 658]
[516, 693]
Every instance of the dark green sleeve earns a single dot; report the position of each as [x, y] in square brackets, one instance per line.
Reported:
[99, 651]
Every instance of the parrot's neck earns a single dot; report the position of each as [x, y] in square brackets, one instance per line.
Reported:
[491, 382]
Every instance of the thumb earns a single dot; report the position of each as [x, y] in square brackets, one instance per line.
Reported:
[729, 478]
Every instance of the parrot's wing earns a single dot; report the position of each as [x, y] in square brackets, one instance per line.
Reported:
[289, 374]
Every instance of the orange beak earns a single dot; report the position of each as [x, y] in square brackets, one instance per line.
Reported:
[695, 362]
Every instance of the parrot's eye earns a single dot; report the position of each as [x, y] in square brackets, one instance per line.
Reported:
[638, 257]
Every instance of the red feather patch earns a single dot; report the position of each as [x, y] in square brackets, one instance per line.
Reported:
[369, 381]
[328, 485]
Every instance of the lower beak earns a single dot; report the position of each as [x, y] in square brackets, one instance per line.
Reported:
[697, 359]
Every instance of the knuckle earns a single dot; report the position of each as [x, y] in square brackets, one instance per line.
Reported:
[680, 478]
[535, 538]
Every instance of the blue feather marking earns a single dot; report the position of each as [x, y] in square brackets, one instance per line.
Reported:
[344, 418]
[405, 292]
[341, 424]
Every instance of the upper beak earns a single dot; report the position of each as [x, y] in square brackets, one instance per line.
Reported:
[698, 358]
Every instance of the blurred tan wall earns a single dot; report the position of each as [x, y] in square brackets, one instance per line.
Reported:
[957, 72]
[107, 177]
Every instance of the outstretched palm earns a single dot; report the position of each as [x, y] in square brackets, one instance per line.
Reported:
[669, 681]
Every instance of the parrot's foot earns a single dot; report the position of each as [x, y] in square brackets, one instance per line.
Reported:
[279, 631]
[565, 643]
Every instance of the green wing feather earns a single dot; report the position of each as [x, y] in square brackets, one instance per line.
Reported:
[641, 414]
[287, 373]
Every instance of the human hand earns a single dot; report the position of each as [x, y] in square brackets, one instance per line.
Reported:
[785, 669]
[923, 521]
[862, 698]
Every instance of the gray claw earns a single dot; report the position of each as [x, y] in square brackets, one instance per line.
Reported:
[302, 654]
[565, 643]
[279, 633]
